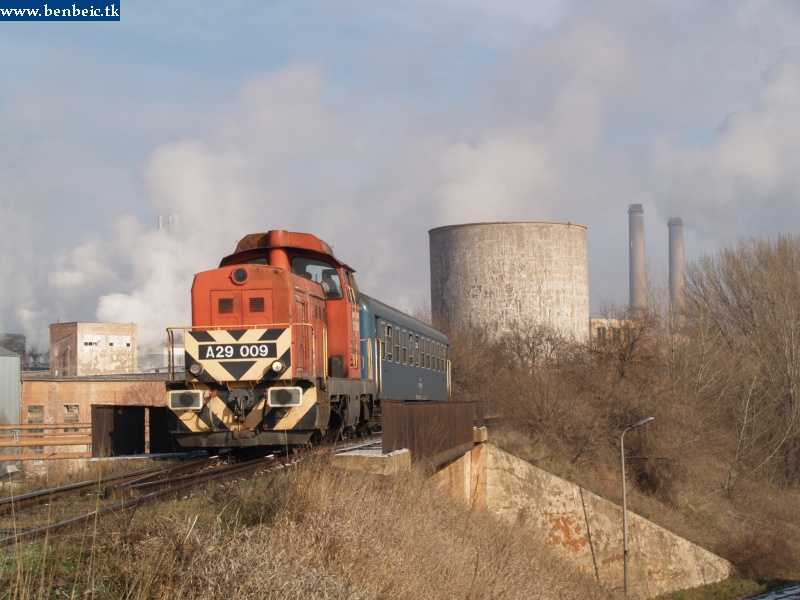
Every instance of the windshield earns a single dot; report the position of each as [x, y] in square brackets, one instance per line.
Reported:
[319, 272]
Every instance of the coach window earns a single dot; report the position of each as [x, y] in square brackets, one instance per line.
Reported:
[410, 348]
[388, 343]
[396, 344]
[416, 350]
[404, 344]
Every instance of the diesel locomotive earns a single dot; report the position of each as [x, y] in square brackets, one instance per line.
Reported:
[284, 349]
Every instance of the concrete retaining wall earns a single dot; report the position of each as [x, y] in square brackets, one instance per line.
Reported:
[583, 528]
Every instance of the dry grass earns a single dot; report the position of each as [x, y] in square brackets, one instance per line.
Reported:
[315, 532]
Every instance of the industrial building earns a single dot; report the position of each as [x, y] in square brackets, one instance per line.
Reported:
[9, 386]
[15, 342]
[87, 349]
[496, 275]
[93, 366]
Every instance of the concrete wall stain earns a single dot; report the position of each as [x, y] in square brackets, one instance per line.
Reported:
[567, 533]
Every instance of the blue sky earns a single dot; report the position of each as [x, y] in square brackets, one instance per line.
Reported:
[369, 123]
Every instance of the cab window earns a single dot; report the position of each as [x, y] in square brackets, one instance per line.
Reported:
[319, 272]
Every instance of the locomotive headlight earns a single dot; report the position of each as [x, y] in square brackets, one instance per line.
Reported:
[195, 369]
[277, 366]
[186, 400]
[240, 275]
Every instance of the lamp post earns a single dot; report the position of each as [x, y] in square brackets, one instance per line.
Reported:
[625, 505]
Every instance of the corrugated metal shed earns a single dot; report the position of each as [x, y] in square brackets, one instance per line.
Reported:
[9, 386]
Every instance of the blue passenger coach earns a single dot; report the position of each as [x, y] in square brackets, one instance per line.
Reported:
[406, 358]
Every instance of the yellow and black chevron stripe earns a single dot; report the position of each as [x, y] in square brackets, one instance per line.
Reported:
[230, 355]
[216, 416]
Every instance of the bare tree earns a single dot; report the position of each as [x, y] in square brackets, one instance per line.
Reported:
[747, 299]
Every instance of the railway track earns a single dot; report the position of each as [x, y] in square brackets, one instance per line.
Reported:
[22, 502]
[133, 489]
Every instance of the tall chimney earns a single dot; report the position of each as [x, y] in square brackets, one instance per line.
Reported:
[677, 302]
[638, 278]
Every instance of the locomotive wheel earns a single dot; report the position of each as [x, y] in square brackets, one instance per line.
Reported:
[363, 427]
[337, 422]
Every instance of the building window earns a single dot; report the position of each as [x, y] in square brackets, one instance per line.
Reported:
[119, 341]
[601, 336]
[36, 416]
[92, 339]
[71, 415]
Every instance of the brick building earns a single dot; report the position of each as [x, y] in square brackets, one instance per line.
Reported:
[88, 349]
[48, 399]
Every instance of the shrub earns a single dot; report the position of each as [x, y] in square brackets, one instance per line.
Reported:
[760, 553]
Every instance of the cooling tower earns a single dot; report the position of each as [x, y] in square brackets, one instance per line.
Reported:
[501, 274]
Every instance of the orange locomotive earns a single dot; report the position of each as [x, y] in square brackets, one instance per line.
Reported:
[284, 348]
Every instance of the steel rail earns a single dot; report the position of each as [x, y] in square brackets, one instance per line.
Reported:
[41, 496]
[117, 490]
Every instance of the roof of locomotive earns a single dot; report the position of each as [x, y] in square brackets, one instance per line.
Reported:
[280, 238]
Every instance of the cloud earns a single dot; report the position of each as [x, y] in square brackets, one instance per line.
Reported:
[498, 179]
[747, 178]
